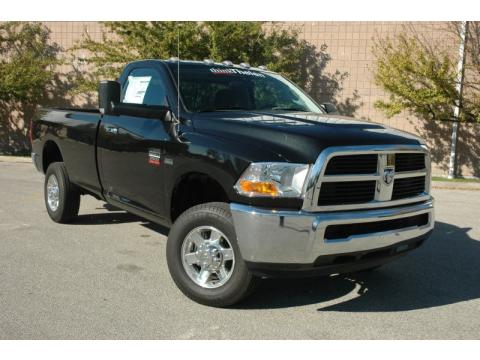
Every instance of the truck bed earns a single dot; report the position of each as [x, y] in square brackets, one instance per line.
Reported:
[74, 132]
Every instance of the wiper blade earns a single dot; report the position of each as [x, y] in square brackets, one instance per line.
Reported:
[223, 109]
[288, 109]
[245, 109]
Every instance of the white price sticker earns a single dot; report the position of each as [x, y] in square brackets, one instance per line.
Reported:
[136, 89]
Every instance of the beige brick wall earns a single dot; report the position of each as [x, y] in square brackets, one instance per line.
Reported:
[349, 45]
[67, 33]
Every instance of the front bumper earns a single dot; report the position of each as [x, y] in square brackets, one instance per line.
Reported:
[295, 240]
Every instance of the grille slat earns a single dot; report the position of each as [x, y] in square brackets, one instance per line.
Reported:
[408, 187]
[350, 192]
[352, 164]
[401, 184]
[409, 161]
[334, 232]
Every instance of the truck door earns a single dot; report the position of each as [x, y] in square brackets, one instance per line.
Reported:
[131, 149]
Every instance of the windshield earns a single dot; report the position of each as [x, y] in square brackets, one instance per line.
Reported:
[216, 87]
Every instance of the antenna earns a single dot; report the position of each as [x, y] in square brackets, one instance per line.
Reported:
[175, 126]
[178, 74]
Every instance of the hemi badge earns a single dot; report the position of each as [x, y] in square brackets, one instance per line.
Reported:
[168, 161]
[154, 157]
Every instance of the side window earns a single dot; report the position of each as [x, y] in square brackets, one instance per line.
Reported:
[144, 86]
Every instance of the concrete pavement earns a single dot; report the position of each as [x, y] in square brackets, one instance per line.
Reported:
[105, 277]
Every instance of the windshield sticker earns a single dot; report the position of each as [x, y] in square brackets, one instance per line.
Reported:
[137, 86]
[230, 71]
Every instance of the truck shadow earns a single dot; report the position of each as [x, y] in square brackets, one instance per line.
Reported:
[117, 216]
[445, 270]
[105, 218]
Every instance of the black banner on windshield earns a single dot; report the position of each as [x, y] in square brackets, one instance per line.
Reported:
[231, 71]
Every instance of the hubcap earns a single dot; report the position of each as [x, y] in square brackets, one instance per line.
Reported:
[53, 193]
[207, 257]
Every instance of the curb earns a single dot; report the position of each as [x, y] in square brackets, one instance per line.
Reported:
[15, 159]
[455, 186]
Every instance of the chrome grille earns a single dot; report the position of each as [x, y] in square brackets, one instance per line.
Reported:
[346, 178]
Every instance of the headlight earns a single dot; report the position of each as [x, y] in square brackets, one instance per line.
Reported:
[273, 180]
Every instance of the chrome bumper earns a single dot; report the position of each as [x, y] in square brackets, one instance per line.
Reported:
[297, 237]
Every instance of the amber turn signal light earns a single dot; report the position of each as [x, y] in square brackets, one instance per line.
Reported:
[259, 187]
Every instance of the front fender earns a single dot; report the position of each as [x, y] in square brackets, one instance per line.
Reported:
[224, 160]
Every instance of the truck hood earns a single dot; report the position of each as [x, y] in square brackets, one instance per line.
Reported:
[297, 137]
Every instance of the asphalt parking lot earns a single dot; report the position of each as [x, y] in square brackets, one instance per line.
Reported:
[105, 277]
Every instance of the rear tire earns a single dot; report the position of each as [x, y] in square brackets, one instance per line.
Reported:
[202, 241]
[62, 198]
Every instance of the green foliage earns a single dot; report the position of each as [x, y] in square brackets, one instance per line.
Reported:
[419, 78]
[27, 78]
[27, 61]
[279, 49]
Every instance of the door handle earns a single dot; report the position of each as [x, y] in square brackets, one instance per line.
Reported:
[111, 129]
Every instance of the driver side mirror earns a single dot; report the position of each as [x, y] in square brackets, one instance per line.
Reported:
[108, 94]
[329, 108]
[109, 103]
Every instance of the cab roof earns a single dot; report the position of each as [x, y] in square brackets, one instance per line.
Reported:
[208, 63]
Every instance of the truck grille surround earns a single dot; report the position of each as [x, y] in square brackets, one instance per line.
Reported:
[355, 178]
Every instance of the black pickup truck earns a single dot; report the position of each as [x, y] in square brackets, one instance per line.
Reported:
[253, 178]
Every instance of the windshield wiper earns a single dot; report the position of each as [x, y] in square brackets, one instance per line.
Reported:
[224, 109]
[288, 109]
[245, 109]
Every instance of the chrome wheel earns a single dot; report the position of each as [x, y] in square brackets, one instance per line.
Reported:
[53, 193]
[207, 257]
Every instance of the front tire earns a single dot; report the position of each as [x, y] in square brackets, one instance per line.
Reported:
[62, 198]
[204, 259]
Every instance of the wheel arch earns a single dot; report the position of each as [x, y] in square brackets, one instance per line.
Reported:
[50, 153]
[195, 188]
